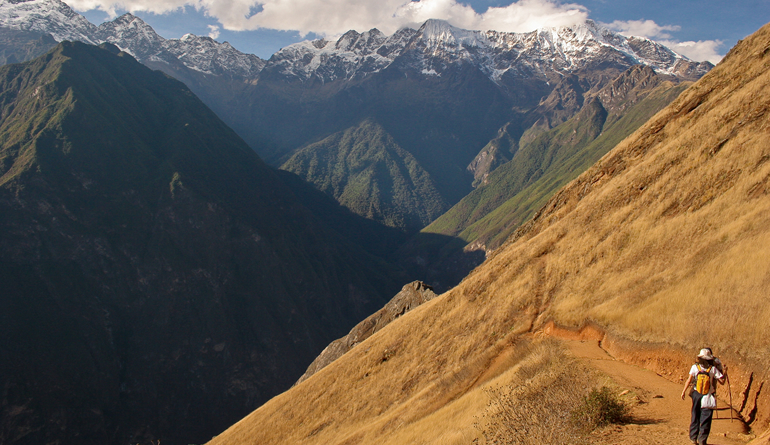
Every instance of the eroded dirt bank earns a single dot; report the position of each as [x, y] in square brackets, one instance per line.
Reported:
[656, 373]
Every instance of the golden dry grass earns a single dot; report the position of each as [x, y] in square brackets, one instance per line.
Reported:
[666, 239]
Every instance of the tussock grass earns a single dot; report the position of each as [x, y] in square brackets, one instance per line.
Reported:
[538, 406]
[664, 240]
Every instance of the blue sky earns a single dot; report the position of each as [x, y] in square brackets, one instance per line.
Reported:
[700, 29]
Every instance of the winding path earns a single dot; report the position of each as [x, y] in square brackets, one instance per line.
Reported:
[660, 416]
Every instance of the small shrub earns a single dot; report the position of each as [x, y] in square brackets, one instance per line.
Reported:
[536, 409]
[599, 408]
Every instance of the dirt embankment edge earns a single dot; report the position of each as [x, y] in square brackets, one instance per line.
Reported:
[747, 380]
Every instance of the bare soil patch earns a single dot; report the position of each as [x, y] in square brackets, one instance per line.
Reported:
[659, 415]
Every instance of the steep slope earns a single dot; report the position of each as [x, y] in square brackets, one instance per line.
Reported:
[512, 193]
[664, 243]
[159, 280]
[365, 170]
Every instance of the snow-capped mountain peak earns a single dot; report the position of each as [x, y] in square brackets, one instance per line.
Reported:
[435, 47]
[440, 32]
[130, 34]
[47, 16]
[351, 56]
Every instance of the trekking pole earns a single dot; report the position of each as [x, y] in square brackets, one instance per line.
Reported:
[730, 391]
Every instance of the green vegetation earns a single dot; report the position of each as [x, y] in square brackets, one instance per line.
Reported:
[369, 173]
[516, 190]
[600, 407]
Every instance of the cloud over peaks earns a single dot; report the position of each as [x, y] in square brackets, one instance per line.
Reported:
[332, 17]
[702, 50]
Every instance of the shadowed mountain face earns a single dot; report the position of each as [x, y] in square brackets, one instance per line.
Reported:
[20, 46]
[158, 279]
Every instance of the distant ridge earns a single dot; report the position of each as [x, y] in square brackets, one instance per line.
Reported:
[440, 93]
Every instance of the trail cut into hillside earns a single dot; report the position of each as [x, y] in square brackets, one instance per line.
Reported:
[658, 415]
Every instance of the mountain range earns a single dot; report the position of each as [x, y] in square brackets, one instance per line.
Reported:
[165, 258]
[659, 248]
[436, 96]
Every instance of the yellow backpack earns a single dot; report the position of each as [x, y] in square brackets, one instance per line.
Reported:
[703, 380]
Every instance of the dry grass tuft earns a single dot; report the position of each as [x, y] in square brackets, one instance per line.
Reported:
[537, 407]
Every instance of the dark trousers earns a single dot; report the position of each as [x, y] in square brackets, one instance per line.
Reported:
[700, 421]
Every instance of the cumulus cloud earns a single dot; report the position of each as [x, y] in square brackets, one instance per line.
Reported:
[702, 50]
[333, 17]
[643, 28]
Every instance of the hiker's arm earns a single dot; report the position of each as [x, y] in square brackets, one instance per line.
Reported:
[686, 385]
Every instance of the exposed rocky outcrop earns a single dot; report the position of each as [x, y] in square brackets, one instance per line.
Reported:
[412, 295]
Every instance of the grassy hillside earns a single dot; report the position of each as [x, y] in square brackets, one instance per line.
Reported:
[514, 191]
[365, 170]
[664, 242]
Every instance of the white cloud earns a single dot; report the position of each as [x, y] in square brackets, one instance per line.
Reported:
[642, 28]
[333, 17]
[213, 31]
[702, 50]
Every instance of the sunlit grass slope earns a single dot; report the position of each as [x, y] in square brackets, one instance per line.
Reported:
[666, 239]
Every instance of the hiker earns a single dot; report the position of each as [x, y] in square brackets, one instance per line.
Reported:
[701, 382]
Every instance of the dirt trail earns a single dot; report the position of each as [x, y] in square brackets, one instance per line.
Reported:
[661, 416]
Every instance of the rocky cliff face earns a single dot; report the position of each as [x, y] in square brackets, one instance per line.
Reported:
[412, 295]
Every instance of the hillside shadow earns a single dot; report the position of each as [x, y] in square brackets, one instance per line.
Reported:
[372, 236]
[641, 420]
[439, 260]
[436, 259]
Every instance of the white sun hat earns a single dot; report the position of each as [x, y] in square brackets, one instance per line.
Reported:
[705, 354]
